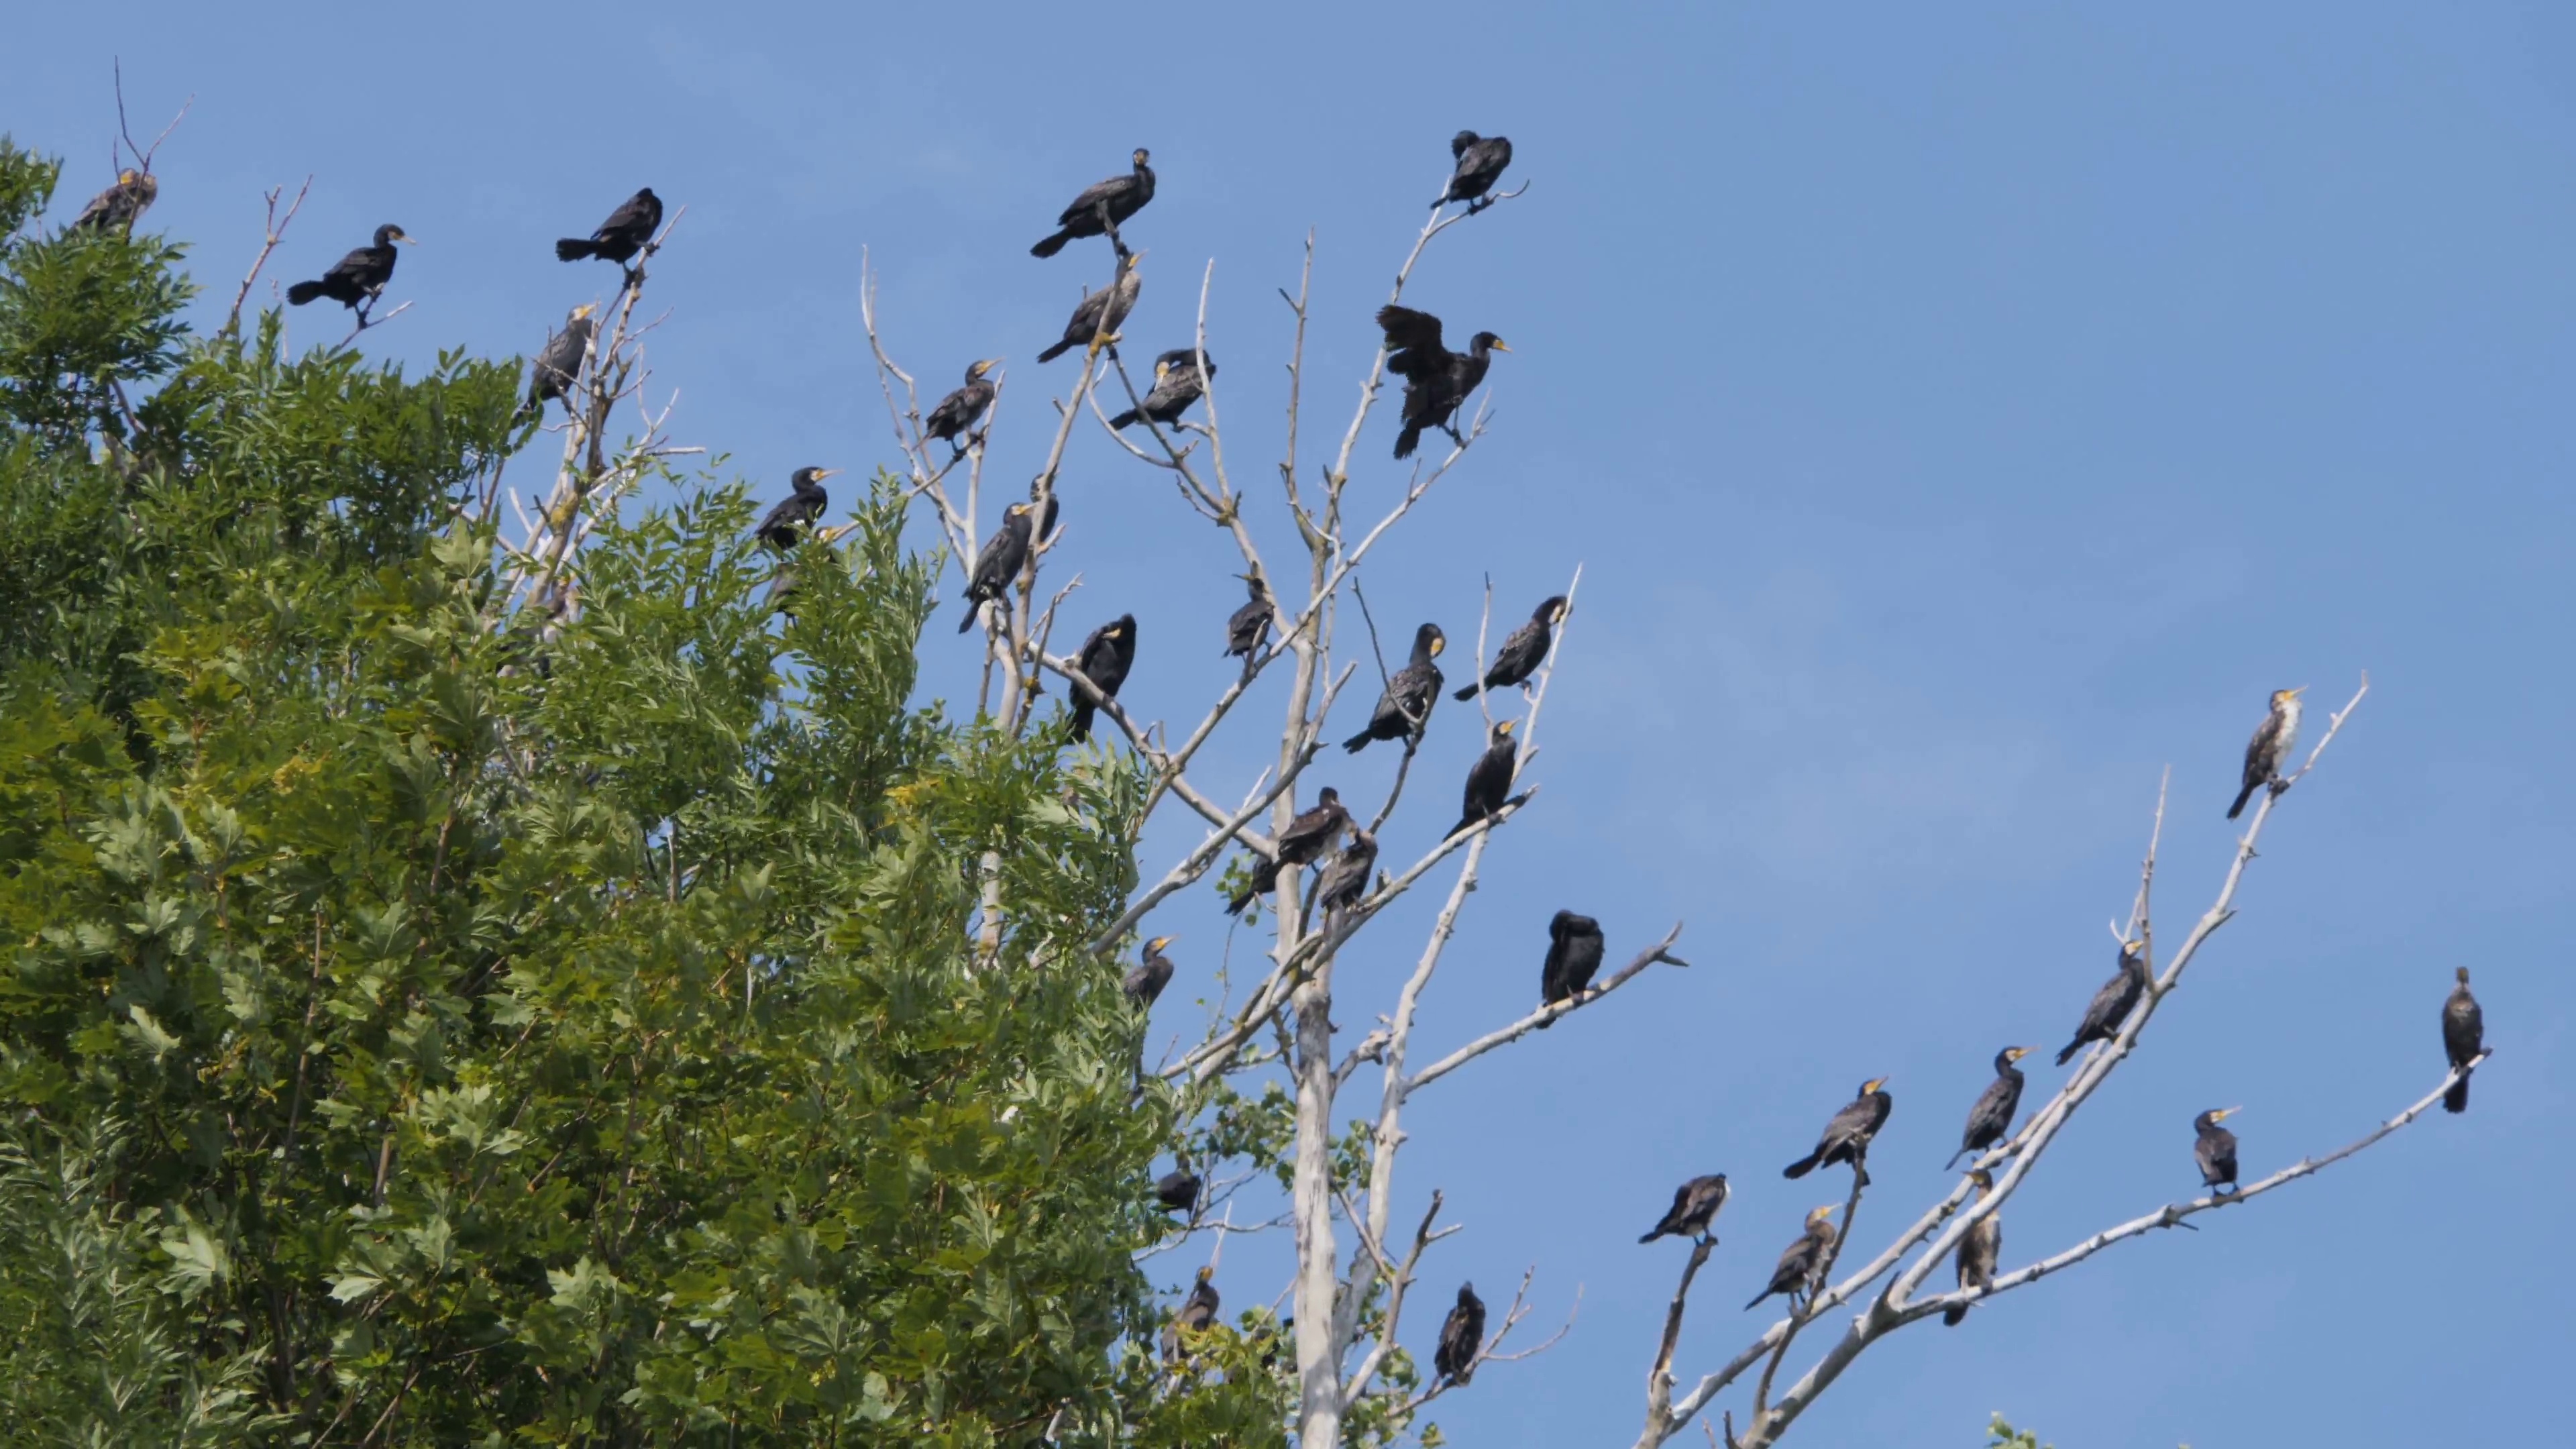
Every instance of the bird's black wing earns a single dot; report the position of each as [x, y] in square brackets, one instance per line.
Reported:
[1413, 340]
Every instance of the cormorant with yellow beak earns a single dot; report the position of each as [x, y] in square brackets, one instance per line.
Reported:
[1802, 1261]
[2270, 748]
[2215, 1150]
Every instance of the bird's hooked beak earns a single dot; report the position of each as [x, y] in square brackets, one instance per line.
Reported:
[1505, 727]
[987, 365]
[822, 473]
[1162, 370]
[406, 238]
[584, 310]
[1159, 942]
[1438, 643]
[1822, 1213]
[1873, 1085]
[2014, 1054]
[1501, 346]
[2223, 1113]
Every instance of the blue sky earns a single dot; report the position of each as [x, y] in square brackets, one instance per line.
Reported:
[1961, 418]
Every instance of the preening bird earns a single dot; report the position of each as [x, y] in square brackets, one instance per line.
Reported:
[1694, 1209]
[2270, 748]
[356, 280]
[999, 563]
[1198, 1311]
[558, 364]
[1992, 1115]
[1573, 955]
[1481, 160]
[1979, 1247]
[2464, 1035]
[1249, 625]
[1489, 780]
[1152, 972]
[1404, 706]
[1461, 1334]
[1178, 1190]
[1436, 380]
[1101, 206]
[1846, 1138]
[1802, 1260]
[2215, 1150]
[1101, 313]
[1345, 881]
[784, 525]
[1524, 651]
[958, 411]
[2111, 1004]
[628, 230]
[1177, 384]
[119, 206]
[1104, 659]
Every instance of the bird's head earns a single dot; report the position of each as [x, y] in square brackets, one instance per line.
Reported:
[646, 194]
[1984, 1180]
[1328, 796]
[975, 372]
[1503, 729]
[1487, 342]
[1206, 1272]
[805, 478]
[2014, 1054]
[392, 233]
[1553, 610]
[1155, 946]
[1016, 510]
[1133, 263]
[583, 312]
[1462, 141]
[1141, 156]
[1818, 1217]
[2281, 697]
[1872, 1085]
[1466, 1293]
[2463, 975]
[1430, 640]
[2216, 1115]
[128, 176]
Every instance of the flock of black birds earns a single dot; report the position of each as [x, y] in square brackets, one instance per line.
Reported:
[1848, 1134]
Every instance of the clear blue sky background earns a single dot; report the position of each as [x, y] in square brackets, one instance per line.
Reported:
[1963, 415]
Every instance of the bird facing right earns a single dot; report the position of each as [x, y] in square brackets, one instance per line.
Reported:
[1102, 206]
[1694, 1209]
[2214, 1148]
[1404, 707]
[1097, 317]
[1524, 651]
[998, 563]
[1802, 1261]
[958, 411]
[1104, 660]
[2464, 1035]
[356, 280]
[1436, 380]
[1152, 972]
[1489, 780]
[2270, 748]
[1992, 1115]
[1847, 1136]
[785, 524]
[1249, 625]
[1481, 160]
[628, 230]
[2112, 1002]
[119, 206]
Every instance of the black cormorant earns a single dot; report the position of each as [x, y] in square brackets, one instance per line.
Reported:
[628, 230]
[1104, 659]
[2111, 1004]
[1481, 160]
[785, 524]
[1694, 1209]
[1198, 1312]
[1302, 843]
[958, 411]
[119, 206]
[1345, 881]
[1151, 973]
[356, 280]
[1177, 1190]
[1573, 955]
[2464, 1035]
[1436, 380]
[1102, 313]
[1462, 1333]
[1524, 651]
[2270, 748]
[1000, 562]
[558, 365]
[1249, 625]
[1846, 1138]
[1404, 706]
[2215, 1149]
[1992, 1116]
[1489, 780]
[1803, 1260]
[1120, 197]
[1177, 384]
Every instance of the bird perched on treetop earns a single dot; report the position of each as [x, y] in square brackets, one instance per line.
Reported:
[2215, 1149]
[1101, 313]
[1694, 1209]
[785, 524]
[958, 411]
[998, 563]
[1198, 1311]
[628, 230]
[558, 364]
[356, 280]
[1524, 651]
[2270, 748]
[1102, 206]
[1846, 1138]
[1992, 1115]
[2464, 1035]
[1573, 956]
[1802, 1260]
[1177, 384]
[2111, 1004]
[1104, 660]
[1436, 380]
[1151, 973]
[1461, 1334]
[1481, 160]
[119, 206]
[1404, 706]
[1979, 1247]
[1178, 1190]
[1250, 624]
[1489, 780]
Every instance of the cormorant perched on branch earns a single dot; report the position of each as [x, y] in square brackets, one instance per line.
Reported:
[1178, 1190]
[1481, 160]
[558, 364]
[2270, 748]
[1694, 1209]
[1101, 313]
[119, 206]
[958, 411]
[1979, 1247]
[356, 280]
[1147, 978]
[1345, 882]
[1404, 706]
[1198, 1311]
[1249, 624]
[796, 512]
[1177, 384]
[1436, 380]
[2464, 1035]
[999, 563]
[1489, 780]
[1992, 1116]
[628, 230]
[2111, 1004]
[1120, 197]
[1302, 843]
[1846, 1138]
[1462, 1333]
[1573, 955]
[1104, 659]
[2215, 1150]
[1265, 879]
[1524, 651]
[1802, 1260]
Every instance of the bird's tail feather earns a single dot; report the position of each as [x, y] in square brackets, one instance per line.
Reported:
[1804, 1165]
[1758, 1297]
[2457, 1098]
[1954, 1158]
[1127, 419]
[1952, 1317]
[1051, 245]
[2068, 1055]
[1052, 353]
[573, 249]
[1465, 692]
[974, 608]
[1358, 742]
[303, 292]
[2241, 797]
[1405, 441]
